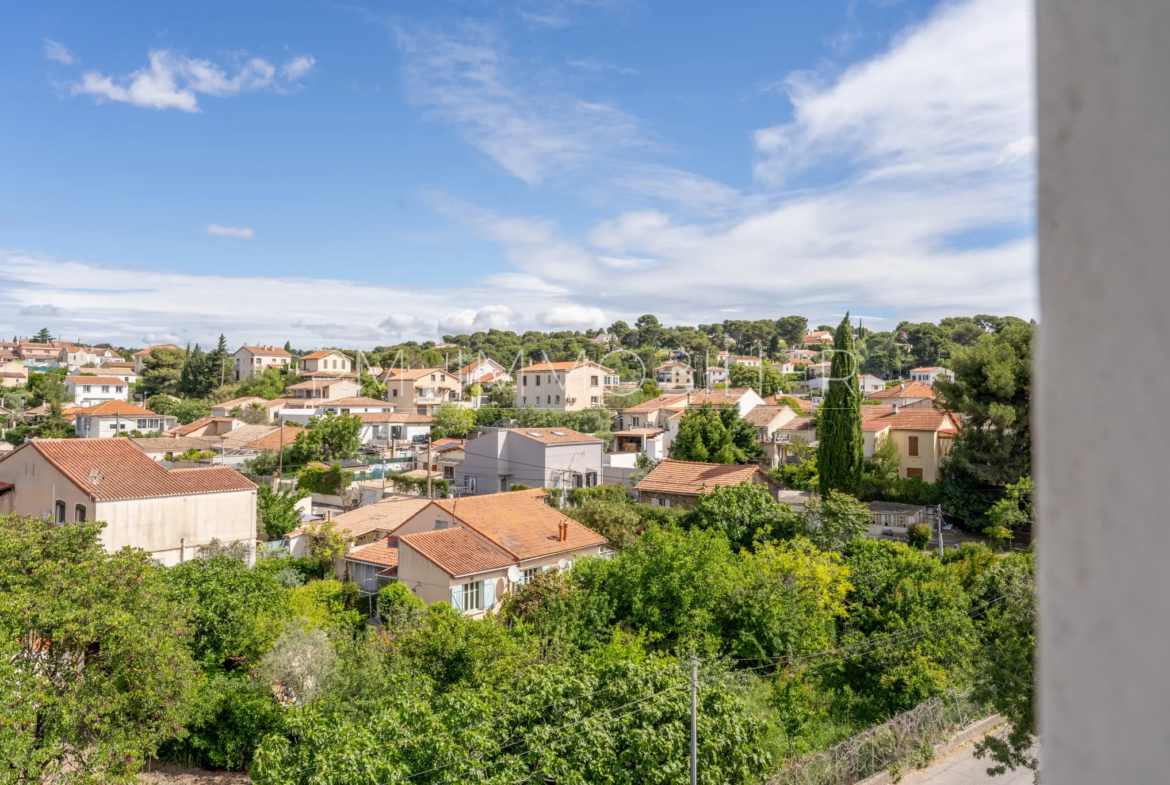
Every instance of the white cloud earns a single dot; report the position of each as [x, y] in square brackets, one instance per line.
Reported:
[469, 82]
[360, 333]
[396, 324]
[561, 13]
[40, 310]
[601, 65]
[489, 317]
[173, 81]
[523, 281]
[58, 52]
[230, 231]
[572, 316]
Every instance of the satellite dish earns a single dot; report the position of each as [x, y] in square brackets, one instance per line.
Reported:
[514, 573]
[563, 564]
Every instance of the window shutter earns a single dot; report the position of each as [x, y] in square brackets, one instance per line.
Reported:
[457, 598]
[489, 594]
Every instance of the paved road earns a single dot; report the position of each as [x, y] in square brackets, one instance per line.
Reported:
[961, 768]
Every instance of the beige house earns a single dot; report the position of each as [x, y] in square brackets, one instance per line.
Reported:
[915, 395]
[166, 512]
[424, 389]
[565, 386]
[43, 354]
[114, 417]
[744, 359]
[928, 374]
[325, 361]
[323, 389]
[140, 357]
[253, 360]
[680, 483]
[923, 437]
[768, 419]
[470, 552]
[13, 374]
[816, 337]
[675, 375]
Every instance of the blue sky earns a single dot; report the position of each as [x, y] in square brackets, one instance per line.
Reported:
[362, 174]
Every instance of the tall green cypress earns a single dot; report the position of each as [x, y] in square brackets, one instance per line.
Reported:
[841, 452]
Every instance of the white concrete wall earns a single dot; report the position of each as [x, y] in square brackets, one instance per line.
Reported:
[159, 525]
[1104, 233]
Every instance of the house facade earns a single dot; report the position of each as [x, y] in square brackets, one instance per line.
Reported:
[113, 417]
[254, 360]
[322, 390]
[536, 457]
[13, 374]
[928, 374]
[564, 386]
[675, 375]
[92, 390]
[327, 361]
[423, 390]
[166, 512]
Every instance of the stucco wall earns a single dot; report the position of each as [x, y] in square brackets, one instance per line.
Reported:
[928, 458]
[159, 525]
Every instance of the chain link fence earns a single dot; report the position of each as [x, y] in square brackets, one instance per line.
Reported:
[906, 739]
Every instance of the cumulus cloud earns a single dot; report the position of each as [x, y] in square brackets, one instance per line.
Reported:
[58, 52]
[229, 231]
[572, 316]
[396, 324]
[173, 81]
[468, 320]
[40, 310]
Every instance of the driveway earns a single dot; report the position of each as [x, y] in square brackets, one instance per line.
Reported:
[961, 768]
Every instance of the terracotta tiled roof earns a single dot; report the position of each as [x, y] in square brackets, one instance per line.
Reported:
[520, 523]
[797, 424]
[323, 354]
[410, 418]
[640, 432]
[875, 426]
[927, 368]
[472, 366]
[266, 351]
[274, 440]
[314, 384]
[554, 435]
[654, 404]
[96, 380]
[150, 349]
[872, 412]
[920, 420]
[688, 478]
[234, 402]
[409, 374]
[457, 551]
[761, 416]
[714, 397]
[359, 400]
[113, 409]
[568, 365]
[114, 469]
[911, 390]
[380, 552]
[194, 425]
[386, 515]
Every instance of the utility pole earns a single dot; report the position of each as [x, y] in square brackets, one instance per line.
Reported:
[937, 512]
[694, 721]
[280, 450]
[430, 495]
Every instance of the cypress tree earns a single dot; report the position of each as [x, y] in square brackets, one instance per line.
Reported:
[840, 454]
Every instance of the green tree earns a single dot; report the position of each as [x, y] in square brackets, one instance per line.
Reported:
[745, 513]
[54, 425]
[43, 336]
[502, 394]
[162, 404]
[992, 395]
[835, 519]
[450, 419]
[1013, 513]
[217, 366]
[1006, 674]
[792, 329]
[92, 656]
[371, 387]
[190, 410]
[194, 380]
[276, 510]
[162, 371]
[881, 470]
[840, 454]
[331, 437]
[618, 522]
[270, 384]
[765, 380]
[714, 435]
[233, 609]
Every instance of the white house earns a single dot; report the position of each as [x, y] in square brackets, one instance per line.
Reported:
[253, 360]
[114, 417]
[536, 457]
[929, 373]
[92, 390]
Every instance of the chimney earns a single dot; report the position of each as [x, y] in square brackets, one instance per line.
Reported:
[895, 408]
[329, 515]
[564, 531]
[391, 540]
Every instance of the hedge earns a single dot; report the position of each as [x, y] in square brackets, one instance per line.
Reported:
[329, 480]
[402, 484]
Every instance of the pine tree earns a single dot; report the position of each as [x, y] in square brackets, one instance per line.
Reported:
[44, 336]
[840, 456]
[193, 382]
[215, 365]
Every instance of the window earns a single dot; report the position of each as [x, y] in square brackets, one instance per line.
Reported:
[592, 381]
[635, 421]
[538, 380]
[913, 473]
[558, 399]
[432, 377]
[79, 513]
[578, 481]
[523, 399]
[440, 524]
[590, 479]
[85, 388]
[548, 398]
[912, 448]
[505, 485]
[473, 596]
[527, 575]
[593, 400]
[60, 512]
[394, 393]
[105, 388]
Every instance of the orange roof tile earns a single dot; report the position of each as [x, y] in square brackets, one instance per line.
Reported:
[324, 353]
[266, 351]
[114, 469]
[114, 409]
[761, 416]
[911, 390]
[555, 435]
[874, 426]
[386, 515]
[150, 349]
[234, 402]
[920, 420]
[654, 404]
[410, 418]
[380, 552]
[274, 440]
[415, 373]
[689, 478]
[457, 551]
[520, 523]
[568, 365]
[110, 380]
[359, 400]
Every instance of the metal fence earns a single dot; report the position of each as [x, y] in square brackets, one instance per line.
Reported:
[906, 739]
